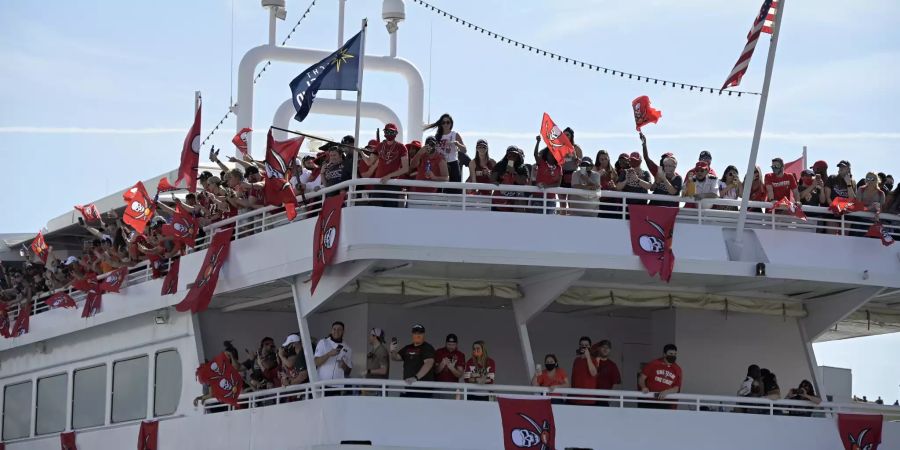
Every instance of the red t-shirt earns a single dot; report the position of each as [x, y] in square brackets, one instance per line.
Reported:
[457, 358]
[389, 155]
[544, 378]
[782, 186]
[547, 174]
[581, 376]
[607, 374]
[429, 163]
[662, 375]
[474, 370]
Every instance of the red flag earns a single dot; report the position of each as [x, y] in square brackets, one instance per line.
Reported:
[527, 423]
[643, 112]
[860, 431]
[92, 303]
[877, 231]
[790, 206]
[164, 186]
[4, 321]
[39, 247]
[200, 294]
[22, 320]
[555, 139]
[67, 441]
[114, 280]
[652, 228]
[326, 236]
[224, 381]
[139, 207]
[147, 435]
[60, 300]
[190, 155]
[841, 206]
[170, 283]
[794, 167]
[240, 140]
[89, 212]
[280, 156]
[183, 229]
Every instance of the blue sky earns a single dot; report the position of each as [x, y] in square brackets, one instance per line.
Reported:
[95, 97]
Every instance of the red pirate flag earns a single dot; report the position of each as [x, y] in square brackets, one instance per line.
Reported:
[89, 212]
[114, 280]
[643, 112]
[67, 441]
[4, 321]
[877, 231]
[39, 247]
[794, 167]
[139, 207]
[841, 206]
[183, 229]
[651, 238]
[92, 303]
[60, 300]
[555, 139]
[791, 207]
[325, 236]
[527, 423]
[190, 155]
[860, 431]
[223, 379]
[200, 294]
[280, 156]
[147, 435]
[164, 186]
[240, 140]
[22, 320]
[170, 283]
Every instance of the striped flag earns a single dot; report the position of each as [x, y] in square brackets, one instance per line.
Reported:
[764, 22]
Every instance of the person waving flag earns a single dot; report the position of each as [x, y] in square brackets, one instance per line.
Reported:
[338, 72]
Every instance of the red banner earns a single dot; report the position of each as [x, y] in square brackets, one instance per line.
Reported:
[841, 206]
[326, 235]
[794, 167]
[877, 231]
[147, 435]
[190, 155]
[860, 431]
[527, 423]
[791, 207]
[4, 321]
[183, 229]
[170, 283]
[22, 320]
[164, 186]
[652, 228]
[240, 140]
[139, 207]
[280, 156]
[643, 112]
[93, 301]
[200, 294]
[114, 280]
[67, 441]
[555, 140]
[60, 300]
[223, 379]
[39, 247]
[89, 212]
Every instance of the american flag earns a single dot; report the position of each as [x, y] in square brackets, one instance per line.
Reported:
[763, 24]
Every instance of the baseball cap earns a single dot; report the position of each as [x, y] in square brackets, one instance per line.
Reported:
[414, 144]
[623, 156]
[701, 165]
[452, 338]
[819, 165]
[586, 161]
[512, 149]
[391, 127]
[705, 155]
[348, 140]
[70, 260]
[843, 163]
[418, 328]
[481, 143]
[635, 156]
[372, 143]
[327, 146]
[292, 338]
[377, 332]
[807, 173]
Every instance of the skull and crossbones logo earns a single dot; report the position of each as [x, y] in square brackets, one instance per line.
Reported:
[857, 442]
[329, 234]
[638, 112]
[210, 269]
[653, 244]
[225, 383]
[537, 436]
[553, 135]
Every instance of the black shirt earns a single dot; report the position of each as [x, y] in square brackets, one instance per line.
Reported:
[336, 173]
[414, 358]
[838, 187]
[659, 188]
[813, 199]
[634, 186]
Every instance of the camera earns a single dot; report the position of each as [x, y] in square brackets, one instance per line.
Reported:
[289, 351]
[340, 347]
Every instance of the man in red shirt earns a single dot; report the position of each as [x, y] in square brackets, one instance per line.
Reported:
[662, 377]
[608, 375]
[449, 362]
[392, 161]
[781, 185]
[584, 370]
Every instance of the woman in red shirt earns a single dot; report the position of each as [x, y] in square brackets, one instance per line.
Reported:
[608, 177]
[551, 376]
[480, 369]
[548, 175]
[757, 190]
[430, 165]
[480, 167]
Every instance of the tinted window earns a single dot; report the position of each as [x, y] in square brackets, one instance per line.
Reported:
[129, 396]
[51, 404]
[89, 397]
[167, 383]
[17, 411]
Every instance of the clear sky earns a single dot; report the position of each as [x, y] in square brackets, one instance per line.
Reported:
[95, 97]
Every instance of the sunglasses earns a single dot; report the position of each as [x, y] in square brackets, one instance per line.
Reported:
[870, 178]
[390, 132]
[446, 122]
[776, 167]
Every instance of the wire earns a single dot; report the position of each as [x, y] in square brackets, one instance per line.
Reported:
[579, 63]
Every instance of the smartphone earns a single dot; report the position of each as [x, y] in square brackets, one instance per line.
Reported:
[537, 368]
[340, 346]
[393, 341]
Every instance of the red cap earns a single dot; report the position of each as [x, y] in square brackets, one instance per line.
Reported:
[701, 165]
[390, 126]
[635, 156]
[623, 155]
[372, 143]
[414, 144]
[819, 165]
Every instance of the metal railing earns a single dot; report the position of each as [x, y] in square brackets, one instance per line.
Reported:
[518, 199]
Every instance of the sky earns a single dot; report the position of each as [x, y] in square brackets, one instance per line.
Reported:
[94, 98]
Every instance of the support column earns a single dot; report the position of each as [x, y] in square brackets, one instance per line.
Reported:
[540, 291]
[824, 312]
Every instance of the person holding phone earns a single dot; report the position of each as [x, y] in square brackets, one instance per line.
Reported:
[550, 375]
[333, 356]
[449, 361]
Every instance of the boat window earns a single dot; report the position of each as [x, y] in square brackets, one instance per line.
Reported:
[17, 411]
[166, 383]
[129, 396]
[52, 393]
[88, 394]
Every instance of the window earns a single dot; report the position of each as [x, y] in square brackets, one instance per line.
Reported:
[88, 395]
[17, 411]
[52, 393]
[129, 396]
[166, 383]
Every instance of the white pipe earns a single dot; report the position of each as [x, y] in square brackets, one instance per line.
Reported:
[394, 44]
[340, 40]
[329, 106]
[272, 16]
[251, 59]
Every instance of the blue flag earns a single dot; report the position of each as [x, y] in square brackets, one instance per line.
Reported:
[338, 72]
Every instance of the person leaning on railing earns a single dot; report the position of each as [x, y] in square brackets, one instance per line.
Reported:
[551, 376]
[803, 392]
[480, 369]
[418, 360]
[872, 197]
[608, 177]
[661, 377]
[586, 179]
[509, 170]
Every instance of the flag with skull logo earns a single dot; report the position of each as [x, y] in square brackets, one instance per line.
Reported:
[200, 294]
[651, 238]
[643, 112]
[557, 142]
[280, 156]
[60, 300]
[139, 207]
[114, 280]
[223, 379]
[20, 327]
[527, 423]
[860, 431]
[183, 229]
[325, 237]
[877, 231]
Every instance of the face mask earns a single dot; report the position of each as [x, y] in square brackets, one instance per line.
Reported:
[888, 186]
[549, 366]
[583, 170]
[671, 359]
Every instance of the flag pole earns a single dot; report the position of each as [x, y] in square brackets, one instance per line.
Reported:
[757, 133]
[359, 81]
[805, 162]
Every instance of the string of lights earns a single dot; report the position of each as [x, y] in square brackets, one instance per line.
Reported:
[579, 63]
[259, 74]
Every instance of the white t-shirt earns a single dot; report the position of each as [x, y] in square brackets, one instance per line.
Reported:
[331, 369]
[448, 147]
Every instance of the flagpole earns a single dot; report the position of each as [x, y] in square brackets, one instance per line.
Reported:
[757, 133]
[805, 162]
[359, 81]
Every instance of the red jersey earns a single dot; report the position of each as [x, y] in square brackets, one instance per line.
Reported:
[544, 379]
[607, 374]
[475, 370]
[547, 174]
[389, 154]
[457, 359]
[782, 186]
[662, 375]
[429, 164]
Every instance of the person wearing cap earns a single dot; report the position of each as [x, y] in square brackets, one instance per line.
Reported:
[840, 185]
[588, 180]
[812, 193]
[665, 180]
[509, 170]
[780, 185]
[634, 179]
[333, 356]
[449, 361]
[366, 165]
[418, 360]
[392, 161]
[480, 168]
[706, 157]
[412, 149]
[701, 185]
[820, 168]
[292, 368]
[450, 144]
[608, 375]
[430, 166]
[378, 365]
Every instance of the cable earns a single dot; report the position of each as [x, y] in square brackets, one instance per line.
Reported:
[576, 62]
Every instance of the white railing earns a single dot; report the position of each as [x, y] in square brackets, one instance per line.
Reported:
[519, 199]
